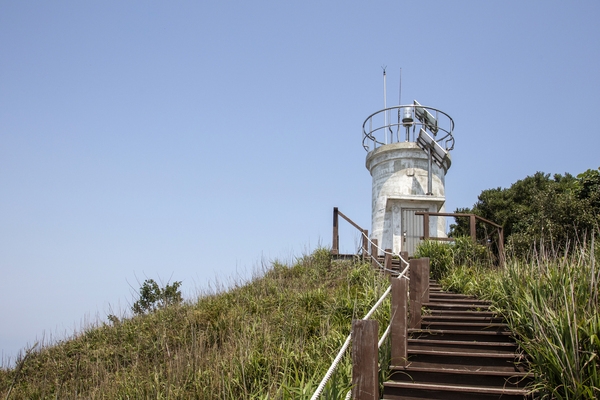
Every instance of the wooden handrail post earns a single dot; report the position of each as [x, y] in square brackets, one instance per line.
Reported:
[365, 360]
[501, 254]
[365, 243]
[425, 282]
[387, 260]
[374, 253]
[399, 321]
[404, 255]
[472, 227]
[426, 225]
[335, 243]
[419, 289]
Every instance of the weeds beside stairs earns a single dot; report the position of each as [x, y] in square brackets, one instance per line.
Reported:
[460, 351]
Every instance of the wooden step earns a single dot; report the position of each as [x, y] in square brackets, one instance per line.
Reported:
[464, 335]
[457, 300]
[510, 379]
[464, 326]
[458, 345]
[409, 391]
[456, 306]
[472, 317]
[463, 351]
[461, 312]
[460, 360]
[443, 294]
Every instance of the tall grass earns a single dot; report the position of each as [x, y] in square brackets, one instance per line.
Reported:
[272, 338]
[551, 303]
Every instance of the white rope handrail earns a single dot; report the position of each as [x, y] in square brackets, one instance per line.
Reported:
[391, 271]
[348, 395]
[340, 354]
[383, 250]
[383, 268]
[384, 336]
[344, 347]
[331, 369]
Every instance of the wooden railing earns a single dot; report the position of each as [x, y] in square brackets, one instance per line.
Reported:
[472, 228]
[364, 334]
[335, 244]
[408, 297]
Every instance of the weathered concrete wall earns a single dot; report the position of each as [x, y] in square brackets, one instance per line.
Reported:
[399, 173]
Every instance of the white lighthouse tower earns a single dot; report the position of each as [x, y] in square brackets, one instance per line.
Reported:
[408, 156]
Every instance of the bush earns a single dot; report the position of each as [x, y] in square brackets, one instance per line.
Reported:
[153, 297]
[467, 252]
[440, 257]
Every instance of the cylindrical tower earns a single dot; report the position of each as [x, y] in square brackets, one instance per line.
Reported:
[408, 157]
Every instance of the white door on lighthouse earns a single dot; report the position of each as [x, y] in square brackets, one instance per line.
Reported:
[412, 229]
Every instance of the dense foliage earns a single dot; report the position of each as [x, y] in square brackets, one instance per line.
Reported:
[442, 256]
[540, 211]
[271, 338]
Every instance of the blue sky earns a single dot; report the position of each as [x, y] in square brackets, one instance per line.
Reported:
[194, 141]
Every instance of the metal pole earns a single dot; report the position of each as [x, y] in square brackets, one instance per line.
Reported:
[385, 124]
[429, 173]
[408, 126]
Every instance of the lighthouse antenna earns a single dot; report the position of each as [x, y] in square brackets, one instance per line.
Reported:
[385, 123]
[400, 89]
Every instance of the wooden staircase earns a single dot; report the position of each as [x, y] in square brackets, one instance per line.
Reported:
[461, 351]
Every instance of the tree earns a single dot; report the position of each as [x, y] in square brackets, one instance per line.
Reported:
[540, 210]
[152, 297]
[589, 187]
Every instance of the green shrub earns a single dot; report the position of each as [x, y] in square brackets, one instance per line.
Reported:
[153, 297]
[440, 257]
[443, 255]
[466, 252]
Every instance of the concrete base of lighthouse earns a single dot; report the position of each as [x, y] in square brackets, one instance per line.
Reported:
[400, 188]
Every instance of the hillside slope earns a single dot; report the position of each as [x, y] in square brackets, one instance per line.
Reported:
[273, 337]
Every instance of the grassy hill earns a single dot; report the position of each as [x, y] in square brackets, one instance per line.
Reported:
[273, 337]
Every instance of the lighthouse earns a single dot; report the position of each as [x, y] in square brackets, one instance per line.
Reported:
[408, 155]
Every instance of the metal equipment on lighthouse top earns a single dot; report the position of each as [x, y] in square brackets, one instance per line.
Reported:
[408, 157]
[380, 129]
